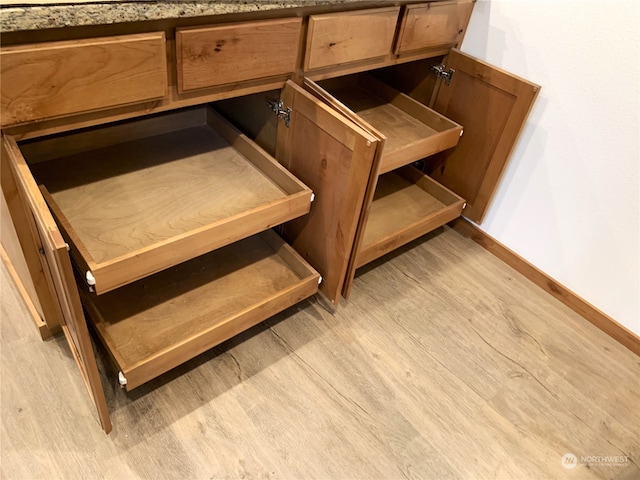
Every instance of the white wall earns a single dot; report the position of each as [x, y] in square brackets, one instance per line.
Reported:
[568, 201]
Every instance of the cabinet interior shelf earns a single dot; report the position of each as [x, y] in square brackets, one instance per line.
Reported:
[138, 197]
[159, 322]
[413, 131]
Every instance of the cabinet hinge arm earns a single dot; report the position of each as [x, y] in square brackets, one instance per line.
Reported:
[440, 72]
[277, 107]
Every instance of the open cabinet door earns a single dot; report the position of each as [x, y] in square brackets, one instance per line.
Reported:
[53, 247]
[492, 105]
[334, 157]
[330, 100]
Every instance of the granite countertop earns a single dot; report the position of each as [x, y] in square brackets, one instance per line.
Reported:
[41, 14]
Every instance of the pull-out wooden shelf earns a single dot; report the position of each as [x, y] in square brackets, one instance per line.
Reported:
[406, 205]
[139, 197]
[413, 131]
[161, 321]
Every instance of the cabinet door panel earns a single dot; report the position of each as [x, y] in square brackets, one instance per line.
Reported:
[330, 100]
[54, 249]
[334, 157]
[26, 246]
[492, 105]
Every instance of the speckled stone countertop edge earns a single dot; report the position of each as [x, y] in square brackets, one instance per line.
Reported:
[39, 17]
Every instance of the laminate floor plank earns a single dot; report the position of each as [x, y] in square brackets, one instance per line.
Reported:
[445, 363]
[458, 411]
[541, 352]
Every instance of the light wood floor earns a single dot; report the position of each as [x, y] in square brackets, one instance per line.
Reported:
[445, 363]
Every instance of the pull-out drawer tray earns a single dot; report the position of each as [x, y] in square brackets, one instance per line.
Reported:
[413, 131]
[161, 321]
[138, 197]
[406, 205]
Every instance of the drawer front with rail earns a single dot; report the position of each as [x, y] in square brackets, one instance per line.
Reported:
[213, 56]
[55, 79]
[436, 24]
[342, 38]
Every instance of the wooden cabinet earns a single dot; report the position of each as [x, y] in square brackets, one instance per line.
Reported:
[167, 221]
[462, 143]
[140, 197]
[493, 106]
[334, 156]
[52, 249]
[159, 224]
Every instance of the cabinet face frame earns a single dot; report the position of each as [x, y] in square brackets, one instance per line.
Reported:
[58, 262]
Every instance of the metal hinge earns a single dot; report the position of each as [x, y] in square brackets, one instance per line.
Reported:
[277, 107]
[441, 73]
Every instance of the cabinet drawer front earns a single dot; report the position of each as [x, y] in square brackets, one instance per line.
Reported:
[433, 25]
[55, 79]
[339, 38]
[227, 54]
